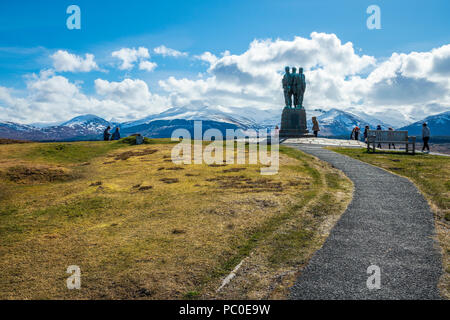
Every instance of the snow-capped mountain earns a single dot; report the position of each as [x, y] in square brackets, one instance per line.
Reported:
[221, 118]
[338, 123]
[11, 130]
[439, 125]
[87, 122]
[333, 123]
[87, 127]
[241, 117]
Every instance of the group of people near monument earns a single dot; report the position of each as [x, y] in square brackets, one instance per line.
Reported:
[294, 86]
[108, 136]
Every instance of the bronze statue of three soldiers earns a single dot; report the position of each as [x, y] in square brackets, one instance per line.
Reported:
[294, 85]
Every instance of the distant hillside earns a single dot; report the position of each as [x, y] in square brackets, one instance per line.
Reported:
[333, 123]
[165, 128]
[439, 125]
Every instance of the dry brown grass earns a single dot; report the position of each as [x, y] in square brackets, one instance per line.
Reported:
[38, 174]
[142, 233]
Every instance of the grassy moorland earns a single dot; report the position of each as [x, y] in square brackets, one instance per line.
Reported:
[141, 227]
[431, 174]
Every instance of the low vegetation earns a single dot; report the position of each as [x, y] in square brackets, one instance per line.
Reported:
[431, 174]
[141, 227]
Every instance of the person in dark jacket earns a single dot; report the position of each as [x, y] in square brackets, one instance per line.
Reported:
[366, 133]
[393, 145]
[107, 134]
[116, 134]
[379, 129]
[425, 137]
[352, 135]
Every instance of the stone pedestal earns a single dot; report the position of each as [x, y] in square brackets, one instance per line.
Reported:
[293, 123]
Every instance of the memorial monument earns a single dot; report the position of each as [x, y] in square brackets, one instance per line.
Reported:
[293, 118]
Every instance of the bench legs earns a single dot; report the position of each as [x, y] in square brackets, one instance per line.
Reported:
[407, 143]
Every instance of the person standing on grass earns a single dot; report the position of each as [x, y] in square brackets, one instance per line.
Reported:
[107, 134]
[315, 126]
[379, 129]
[425, 137]
[393, 145]
[116, 134]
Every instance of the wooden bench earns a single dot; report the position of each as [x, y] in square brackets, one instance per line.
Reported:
[388, 136]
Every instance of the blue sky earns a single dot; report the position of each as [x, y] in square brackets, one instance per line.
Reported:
[31, 31]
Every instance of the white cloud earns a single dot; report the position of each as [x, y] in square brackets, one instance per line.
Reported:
[403, 86]
[337, 76]
[50, 98]
[133, 92]
[168, 52]
[207, 57]
[147, 65]
[65, 61]
[130, 56]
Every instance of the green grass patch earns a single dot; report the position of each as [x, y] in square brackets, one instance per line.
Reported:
[287, 246]
[191, 295]
[73, 152]
[83, 207]
[297, 154]
[333, 180]
[131, 140]
[14, 223]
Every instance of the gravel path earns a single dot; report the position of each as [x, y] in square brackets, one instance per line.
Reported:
[388, 224]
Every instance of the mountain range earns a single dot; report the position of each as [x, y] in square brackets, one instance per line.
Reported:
[333, 123]
[439, 125]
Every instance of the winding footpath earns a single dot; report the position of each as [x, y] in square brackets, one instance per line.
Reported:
[388, 224]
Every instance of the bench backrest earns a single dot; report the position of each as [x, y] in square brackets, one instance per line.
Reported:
[388, 135]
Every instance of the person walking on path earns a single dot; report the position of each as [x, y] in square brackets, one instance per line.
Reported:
[379, 129]
[116, 134]
[366, 133]
[107, 134]
[425, 137]
[393, 145]
[315, 127]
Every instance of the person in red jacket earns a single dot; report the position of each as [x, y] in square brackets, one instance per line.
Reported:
[356, 133]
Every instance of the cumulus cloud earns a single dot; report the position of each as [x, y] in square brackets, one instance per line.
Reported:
[132, 92]
[51, 97]
[337, 77]
[68, 62]
[401, 87]
[147, 65]
[130, 56]
[168, 52]
[207, 57]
